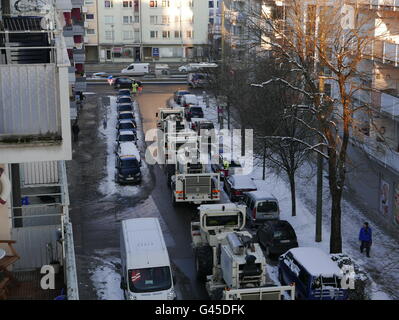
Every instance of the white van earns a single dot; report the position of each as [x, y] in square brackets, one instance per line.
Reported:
[137, 69]
[196, 66]
[146, 270]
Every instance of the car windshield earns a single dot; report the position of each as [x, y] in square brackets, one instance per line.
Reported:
[126, 137]
[124, 100]
[149, 279]
[125, 107]
[283, 234]
[127, 125]
[213, 221]
[124, 93]
[126, 116]
[131, 163]
[267, 206]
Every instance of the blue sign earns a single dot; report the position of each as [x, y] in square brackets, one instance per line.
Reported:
[155, 52]
[110, 77]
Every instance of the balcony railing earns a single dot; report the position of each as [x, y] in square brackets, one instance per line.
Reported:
[79, 55]
[29, 103]
[77, 3]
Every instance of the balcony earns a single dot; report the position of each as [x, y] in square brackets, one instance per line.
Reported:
[63, 5]
[79, 55]
[80, 84]
[71, 75]
[77, 3]
[78, 28]
[385, 51]
[68, 31]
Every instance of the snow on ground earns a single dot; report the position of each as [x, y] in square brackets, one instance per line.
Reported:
[382, 267]
[108, 186]
[105, 276]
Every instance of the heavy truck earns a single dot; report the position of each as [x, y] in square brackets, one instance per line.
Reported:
[175, 114]
[228, 259]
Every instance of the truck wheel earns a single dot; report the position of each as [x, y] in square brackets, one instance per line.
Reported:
[203, 262]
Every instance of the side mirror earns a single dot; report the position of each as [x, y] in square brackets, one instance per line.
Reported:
[174, 280]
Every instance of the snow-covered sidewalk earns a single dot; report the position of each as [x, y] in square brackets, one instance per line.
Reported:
[382, 267]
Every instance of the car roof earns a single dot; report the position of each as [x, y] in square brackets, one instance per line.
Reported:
[126, 112]
[128, 148]
[243, 181]
[316, 262]
[261, 195]
[279, 224]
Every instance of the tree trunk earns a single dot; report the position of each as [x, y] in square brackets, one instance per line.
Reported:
[291, 177]
[335, 237]
[264, 162]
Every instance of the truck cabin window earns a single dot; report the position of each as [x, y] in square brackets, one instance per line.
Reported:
[212, 221]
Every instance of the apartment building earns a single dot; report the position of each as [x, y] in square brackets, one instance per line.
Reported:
[237, 37]
[35, 141]
[215, 29]
[145, 30]
[374, 149]
[91, 38]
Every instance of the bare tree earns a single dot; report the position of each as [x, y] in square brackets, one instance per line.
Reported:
[323, 43]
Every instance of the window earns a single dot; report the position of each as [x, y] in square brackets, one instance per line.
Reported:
[165, 34]
[153, 34]
[108, 4]
[127, 19]
[90, 31]
[127, 4]
[128, 35]
[177, 34]
[189, 34]
[89, 16]
[153, 19]
[108, 19]
[136, 19]
[109, 35]
[89, 3]
[177, 19]
[153, 4]
[211, 20]
[210, 5]
[191, 3]
[165, 3]
[165, 20]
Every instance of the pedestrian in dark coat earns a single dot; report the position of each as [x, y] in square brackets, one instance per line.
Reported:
[75, 131]
[366, 238]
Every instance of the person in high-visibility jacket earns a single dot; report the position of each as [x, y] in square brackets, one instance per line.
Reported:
[226, 165]
[134, 87]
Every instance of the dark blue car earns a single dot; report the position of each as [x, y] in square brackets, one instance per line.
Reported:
[315, 275]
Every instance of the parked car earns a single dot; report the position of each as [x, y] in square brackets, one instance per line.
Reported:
[196, 66]
[189, 99]
[193, 112]
[127, 163]
[277, 237]
[179, 94]
[126, 115]
[261, 206]
[218, 165]
[315, 275]
[125, 107]
[124, 92]
[120, 83]
[123, 99]
[202, 124]
[126, 125]
[126, 136]
[235, 185]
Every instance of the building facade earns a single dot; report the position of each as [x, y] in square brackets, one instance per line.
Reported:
[147, 31]
[35, 140]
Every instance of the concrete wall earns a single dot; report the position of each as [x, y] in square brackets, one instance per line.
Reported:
[366, 178]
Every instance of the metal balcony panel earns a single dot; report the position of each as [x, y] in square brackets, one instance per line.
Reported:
[29, 102]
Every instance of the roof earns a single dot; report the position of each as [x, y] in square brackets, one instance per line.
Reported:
[145, 246]
[129, 149]
[218, 207]
[126, 121]
[315, 261]
[261, 195]
[243, 182]
[126, 112]
[126, 132]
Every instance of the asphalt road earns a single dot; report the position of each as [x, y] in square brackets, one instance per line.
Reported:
[98, 205]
